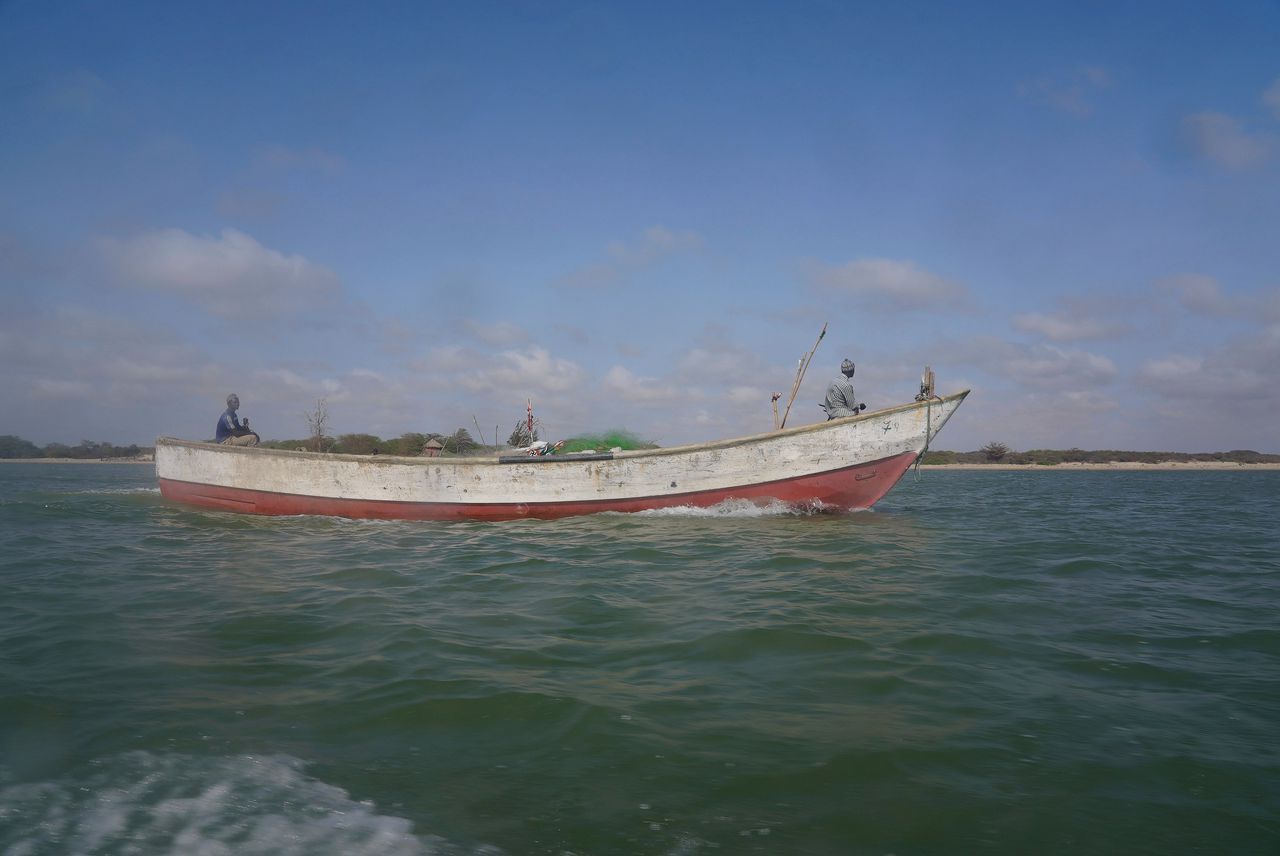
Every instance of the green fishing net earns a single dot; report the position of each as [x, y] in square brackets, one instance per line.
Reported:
[604, 442]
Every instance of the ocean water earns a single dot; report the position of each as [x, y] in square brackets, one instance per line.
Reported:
[988, 662]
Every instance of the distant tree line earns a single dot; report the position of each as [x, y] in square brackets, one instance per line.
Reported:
[86, 450]
[460, 442]
[999, 453]
[412, 443]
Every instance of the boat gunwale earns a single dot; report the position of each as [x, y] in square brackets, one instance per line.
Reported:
[493, 460]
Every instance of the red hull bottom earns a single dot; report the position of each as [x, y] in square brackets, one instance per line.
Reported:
[854, 487]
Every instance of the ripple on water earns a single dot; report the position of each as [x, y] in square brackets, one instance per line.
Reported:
[1001, 663]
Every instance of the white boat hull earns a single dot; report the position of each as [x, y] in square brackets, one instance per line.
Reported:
[842, 464]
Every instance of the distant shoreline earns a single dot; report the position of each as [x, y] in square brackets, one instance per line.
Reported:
[1111, 466]
[77, 461]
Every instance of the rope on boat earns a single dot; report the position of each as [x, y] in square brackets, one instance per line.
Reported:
[928, 396]
[928, 432]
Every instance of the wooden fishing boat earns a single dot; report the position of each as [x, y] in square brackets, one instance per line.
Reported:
[846, 463]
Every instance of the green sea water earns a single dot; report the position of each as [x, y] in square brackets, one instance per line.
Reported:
[988, 662]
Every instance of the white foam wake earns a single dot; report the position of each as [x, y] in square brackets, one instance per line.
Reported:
[740, 508]
[118, 491]
[142, 803]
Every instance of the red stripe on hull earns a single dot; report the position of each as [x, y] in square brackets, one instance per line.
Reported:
[854, 487]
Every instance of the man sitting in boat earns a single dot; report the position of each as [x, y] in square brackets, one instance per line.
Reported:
[231, 430]
[840, 399]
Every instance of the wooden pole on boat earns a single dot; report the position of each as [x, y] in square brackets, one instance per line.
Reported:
[775, 398]
[926, 385]
[481, 433]
[804, 366]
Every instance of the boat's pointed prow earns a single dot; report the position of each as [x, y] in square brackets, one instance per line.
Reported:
[935, 412]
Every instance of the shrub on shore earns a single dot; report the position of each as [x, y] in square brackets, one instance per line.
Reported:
[1053, 457]
[87, 450]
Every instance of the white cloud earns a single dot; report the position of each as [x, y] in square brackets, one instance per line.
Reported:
[1038, 366]
[1068, 92]
[623, 385]
[1204, 295]
[1038, 419]
[232, 276]
[359, 389]
[533, 369]
[311, 160]
[749, 395]
[141, 370]
[1222, 140]
[716, 362]
[250, 203]
[1269, 308]
[61, 388]
[1218, 381]
[444, 361]
[1055, 365]
[458, 384]
[498, 333]
[1223, 397]
[1197, 293]
[1243, 372]
[1271, 98]
[1173, 369]
[68, 349]
[623, 260]
[282, 381]
[64, 362]
[1062, 327]
[1088, 402]
[889, 284]
[367, 376]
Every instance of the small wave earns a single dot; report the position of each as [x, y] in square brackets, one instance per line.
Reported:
[742, 508]
[249, 804]
[119, 491]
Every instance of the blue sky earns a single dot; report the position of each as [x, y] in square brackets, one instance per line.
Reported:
[639, 216]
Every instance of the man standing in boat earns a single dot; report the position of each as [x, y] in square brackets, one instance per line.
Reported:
[231, 430]
[841, 400]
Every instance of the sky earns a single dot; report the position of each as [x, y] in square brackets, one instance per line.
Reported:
[639, 216]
